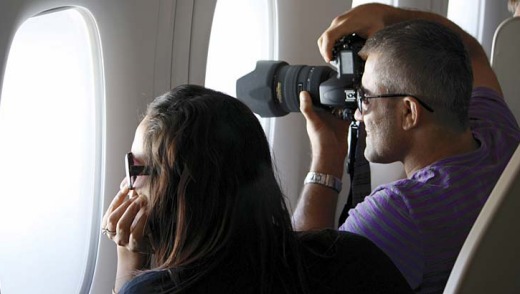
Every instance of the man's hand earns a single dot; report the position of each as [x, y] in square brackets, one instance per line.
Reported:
[363, 20]
[328, 137]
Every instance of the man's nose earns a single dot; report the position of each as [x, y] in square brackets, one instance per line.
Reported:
[358, 116]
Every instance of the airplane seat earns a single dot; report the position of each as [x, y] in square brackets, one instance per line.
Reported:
[505, 60]
[489, 261]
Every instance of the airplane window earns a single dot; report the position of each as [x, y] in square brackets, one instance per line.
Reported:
[242, 33]
[50, 147]
[466, 14]
[361, 2]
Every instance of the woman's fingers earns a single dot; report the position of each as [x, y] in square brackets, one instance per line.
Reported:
[114, 205]
[138, 240]
[125, 216]
[125, 222]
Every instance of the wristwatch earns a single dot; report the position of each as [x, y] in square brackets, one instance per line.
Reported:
[326, 180]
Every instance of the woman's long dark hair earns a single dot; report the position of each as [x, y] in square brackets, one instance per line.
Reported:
[214, 196]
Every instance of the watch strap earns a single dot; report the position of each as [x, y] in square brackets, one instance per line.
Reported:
[326, 180]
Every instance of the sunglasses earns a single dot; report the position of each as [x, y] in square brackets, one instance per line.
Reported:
[133, 170]
[362, 98]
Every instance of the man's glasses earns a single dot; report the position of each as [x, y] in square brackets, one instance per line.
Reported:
[133, 170]
[363, 98]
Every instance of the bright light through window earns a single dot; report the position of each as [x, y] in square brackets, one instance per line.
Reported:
[242, 33]
[50, 148]
[465, 13]
[361, 2]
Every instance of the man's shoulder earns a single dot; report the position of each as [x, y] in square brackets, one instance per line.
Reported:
[386, 201]
[425, 185]
[488, 106]
[486, 92]
[397, 190]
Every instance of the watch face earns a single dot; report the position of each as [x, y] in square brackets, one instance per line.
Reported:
[318, 178]
[326, 180]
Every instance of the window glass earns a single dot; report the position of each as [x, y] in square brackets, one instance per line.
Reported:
[242, 33]
[361, 2]
[465, 13]
[50, 147]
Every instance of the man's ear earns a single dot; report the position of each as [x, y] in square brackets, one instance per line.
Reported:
[410, 114]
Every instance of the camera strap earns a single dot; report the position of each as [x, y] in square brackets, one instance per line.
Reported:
[358, 168]
[354, 134]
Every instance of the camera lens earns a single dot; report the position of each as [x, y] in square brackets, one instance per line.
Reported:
[273, 88]
[293, 79]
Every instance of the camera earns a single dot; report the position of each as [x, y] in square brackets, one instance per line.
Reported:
[273, 88]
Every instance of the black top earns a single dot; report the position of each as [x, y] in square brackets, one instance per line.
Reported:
[336, 262]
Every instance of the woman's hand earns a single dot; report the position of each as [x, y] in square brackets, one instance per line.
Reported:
[125, 221]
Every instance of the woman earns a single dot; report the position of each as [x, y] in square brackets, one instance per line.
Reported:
[206, 202]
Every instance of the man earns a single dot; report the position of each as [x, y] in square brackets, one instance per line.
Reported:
[431, 100]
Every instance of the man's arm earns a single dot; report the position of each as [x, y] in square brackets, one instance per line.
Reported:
[328, 136]
[317, 205]
[356, 20]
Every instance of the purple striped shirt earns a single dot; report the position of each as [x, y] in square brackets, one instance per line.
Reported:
[422, 222]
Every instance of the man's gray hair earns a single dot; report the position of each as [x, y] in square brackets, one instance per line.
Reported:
[426, 60]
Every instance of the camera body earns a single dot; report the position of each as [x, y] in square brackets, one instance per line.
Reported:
[273, 88]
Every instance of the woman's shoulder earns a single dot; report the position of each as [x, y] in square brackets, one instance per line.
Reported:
[232, 277]
[330, 240]
[339, 262]
[152, 281]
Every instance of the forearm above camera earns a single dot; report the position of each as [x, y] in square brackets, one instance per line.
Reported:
[483, 74]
